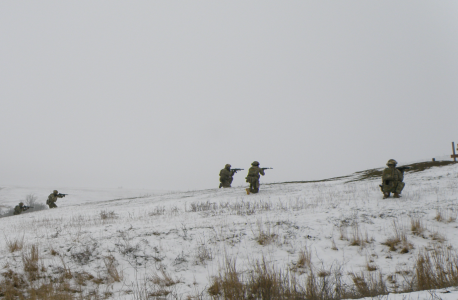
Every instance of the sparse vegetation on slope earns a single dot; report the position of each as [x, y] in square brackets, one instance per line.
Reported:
[321, 240]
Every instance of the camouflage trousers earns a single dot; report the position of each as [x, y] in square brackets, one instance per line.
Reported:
[225, 183]
[254, 184]
[52, 205]
[393, 187]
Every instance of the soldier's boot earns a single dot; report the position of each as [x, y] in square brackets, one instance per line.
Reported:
[247, 191]
[396, 195]
[220, 185]
[386, 195]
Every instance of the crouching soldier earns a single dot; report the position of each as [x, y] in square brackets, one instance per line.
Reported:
[52, 199]
[226, 176]
[392, 180]
[253, 177]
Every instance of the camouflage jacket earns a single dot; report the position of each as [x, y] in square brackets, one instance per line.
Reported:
[18, 210]
[53, 198]
[392, 174]
[226, 174]
[254, 171]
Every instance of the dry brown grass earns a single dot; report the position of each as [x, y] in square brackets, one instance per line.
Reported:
[334, 246]
[357, 238]
[264, 234]
[160, 284]
[261, 282]
[432, 270]
[399, 241]
[436, 236]
[446, 215]
[439, 216]
[416, 226]
[436, 269]
[392, 243]
[369, 285]
[106, 215]
[111, 265]
[370, 265]
[305, 259]
[343, 233]
[33, 283]
[203, 253]
[15, 244]
[30, 262]
[157, 211]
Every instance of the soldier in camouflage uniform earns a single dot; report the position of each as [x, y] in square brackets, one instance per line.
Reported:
[19, 209]
[253, 177]
[226, 177]
[52, 198]
[392, 180]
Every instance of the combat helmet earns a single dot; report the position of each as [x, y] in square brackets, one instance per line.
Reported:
[55, 192]
[255, 163]
[391, 162]
[227, 166]
[21, 203]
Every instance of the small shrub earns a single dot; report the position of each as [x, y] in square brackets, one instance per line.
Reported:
[31, 200]
[105, 215]
[157, 211]
[203, 253]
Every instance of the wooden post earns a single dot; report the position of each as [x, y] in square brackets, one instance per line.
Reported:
[454, 155]
[433, 159]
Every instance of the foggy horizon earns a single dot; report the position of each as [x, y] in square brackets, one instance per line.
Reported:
[161, 95]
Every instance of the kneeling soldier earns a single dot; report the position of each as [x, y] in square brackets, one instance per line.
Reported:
[226, 177]
[253, 177]
[392, 180]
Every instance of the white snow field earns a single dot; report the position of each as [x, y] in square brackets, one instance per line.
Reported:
[121, 244]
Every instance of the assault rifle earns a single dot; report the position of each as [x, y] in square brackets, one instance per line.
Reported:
[61, 195]
[25, 207]
[402, 169]
[236, 170]
[266, 168]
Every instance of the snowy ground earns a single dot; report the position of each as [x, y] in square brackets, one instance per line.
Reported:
[120, 237]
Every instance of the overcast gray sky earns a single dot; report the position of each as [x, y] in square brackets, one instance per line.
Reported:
[162, 94]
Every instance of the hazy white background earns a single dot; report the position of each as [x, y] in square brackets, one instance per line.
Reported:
[162, 94]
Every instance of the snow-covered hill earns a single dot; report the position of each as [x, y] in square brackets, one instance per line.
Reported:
[122, 244]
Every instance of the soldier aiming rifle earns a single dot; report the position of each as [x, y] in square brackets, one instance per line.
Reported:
[226, 176]
[20, 208]
[253, 177]
[52, 198]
